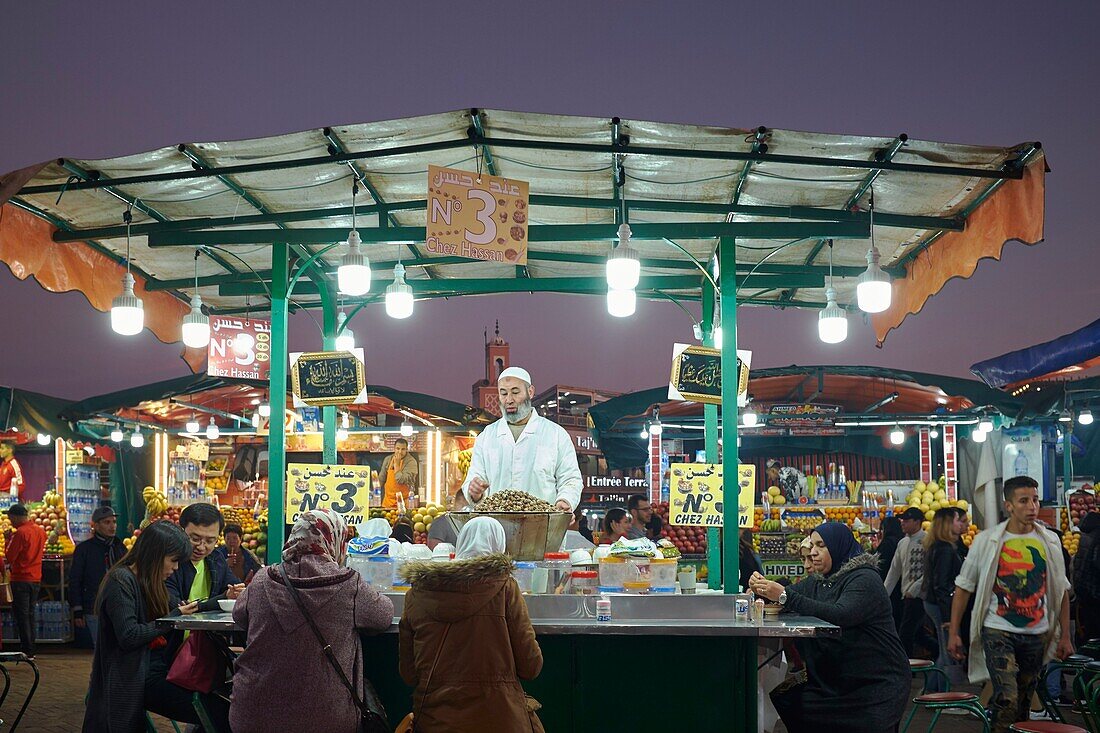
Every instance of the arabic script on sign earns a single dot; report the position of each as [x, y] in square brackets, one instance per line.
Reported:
[479, 217]
[696, 492]
[343, 489]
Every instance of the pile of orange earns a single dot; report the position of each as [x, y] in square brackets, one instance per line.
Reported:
[970, 534]
[846, 514]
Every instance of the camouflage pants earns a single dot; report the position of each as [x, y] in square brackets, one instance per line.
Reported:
[1014, 662]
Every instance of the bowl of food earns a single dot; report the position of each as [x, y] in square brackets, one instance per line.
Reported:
[227, 605]
[532, 527]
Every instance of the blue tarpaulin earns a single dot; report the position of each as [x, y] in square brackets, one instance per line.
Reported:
[1073, 349]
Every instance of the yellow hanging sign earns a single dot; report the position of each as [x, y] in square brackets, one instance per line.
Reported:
[696, 494]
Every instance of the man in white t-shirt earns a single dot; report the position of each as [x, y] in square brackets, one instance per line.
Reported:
[1017, 576]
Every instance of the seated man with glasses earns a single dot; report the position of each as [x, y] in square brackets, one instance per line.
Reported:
[205, 577]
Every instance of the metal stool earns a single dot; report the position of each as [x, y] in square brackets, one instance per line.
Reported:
[1042, 726]
[940, 701]
[925, 667]
[1074, 663]
[1086, 695]
[16, 658]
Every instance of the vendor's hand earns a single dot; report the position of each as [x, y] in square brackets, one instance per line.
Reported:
[189, 608]
[563, 506]
[765, 588]
[233, 591]
[955, 647]
[1065, 646]
[477, 488]
[78, 622]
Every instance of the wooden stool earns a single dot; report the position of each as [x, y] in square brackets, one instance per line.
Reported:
[940, 701]
[1043, 726]
[927, 667]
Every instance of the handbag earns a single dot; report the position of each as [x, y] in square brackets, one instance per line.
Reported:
[372, 713]
[197, 664]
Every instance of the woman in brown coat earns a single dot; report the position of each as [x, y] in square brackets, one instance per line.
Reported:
[466, 640]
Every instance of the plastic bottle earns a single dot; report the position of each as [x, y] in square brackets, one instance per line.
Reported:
[1020, 464]
[603, 610]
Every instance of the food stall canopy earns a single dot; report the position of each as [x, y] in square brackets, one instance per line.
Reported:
[1073, 352]
[171, 401]
[32, 413]
[781, 195]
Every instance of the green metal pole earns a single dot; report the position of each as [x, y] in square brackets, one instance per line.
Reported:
[727, 283]
[328, 342]
[710, 435]
[276, 439]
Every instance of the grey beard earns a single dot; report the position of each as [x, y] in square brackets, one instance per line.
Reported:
[523, 412]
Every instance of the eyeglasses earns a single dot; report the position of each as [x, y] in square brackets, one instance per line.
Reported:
[197, 540]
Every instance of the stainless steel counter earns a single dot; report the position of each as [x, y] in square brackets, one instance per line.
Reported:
[704, 615]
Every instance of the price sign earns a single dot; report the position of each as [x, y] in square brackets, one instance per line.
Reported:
[240, 348]
[480, 217]
[696, 494]
[697, 374]
[343, 489]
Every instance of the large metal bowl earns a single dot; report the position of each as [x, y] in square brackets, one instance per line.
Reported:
[528, 535]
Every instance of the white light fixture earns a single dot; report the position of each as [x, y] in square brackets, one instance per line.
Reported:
[897, 435]
[655, 428]
[1085, 416]
[345, 340]
[873, 289]
[716, 337]
[127, 310]
[193, 426]
[978, 436]
[644, 433]
[1065, 416]
[265, 410]
[749, 418]
[406, 428]
[341, 435]
[212, 431]
[43, 439]
[832, 322]
[624, 269]
[256, 419]
[136, 438]
[196, 326]
[399, 295]
[353, 275]
[985, 424]
[621, 303]
[116, 434]
[933, 433]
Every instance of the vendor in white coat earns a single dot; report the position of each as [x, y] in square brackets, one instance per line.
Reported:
[524, 451]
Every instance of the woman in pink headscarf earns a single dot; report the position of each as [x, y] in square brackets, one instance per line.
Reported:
[283, 678]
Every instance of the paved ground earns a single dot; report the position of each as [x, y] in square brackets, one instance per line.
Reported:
[58, 706]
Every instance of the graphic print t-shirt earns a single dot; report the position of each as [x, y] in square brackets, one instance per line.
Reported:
[1019, 600]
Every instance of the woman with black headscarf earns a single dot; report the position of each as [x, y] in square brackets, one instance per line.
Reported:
[891, 536]
[859, 680]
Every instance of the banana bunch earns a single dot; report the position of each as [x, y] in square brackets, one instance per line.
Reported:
[53, 499]
[464, 458]
[156, 503]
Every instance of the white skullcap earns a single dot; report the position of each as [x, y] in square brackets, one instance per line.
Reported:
[517, 372]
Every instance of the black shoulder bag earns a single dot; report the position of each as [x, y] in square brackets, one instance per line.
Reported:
[373, 714]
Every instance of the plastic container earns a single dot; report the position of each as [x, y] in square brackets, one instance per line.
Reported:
[636, 587]
[655, 591]
[603, 610]
[639, 568]
[602, 589]
[380, 572]
[524, 573]
[613, 571]
[662, 572]
[584, 582]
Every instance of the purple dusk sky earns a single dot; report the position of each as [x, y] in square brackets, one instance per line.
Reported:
[91, 80]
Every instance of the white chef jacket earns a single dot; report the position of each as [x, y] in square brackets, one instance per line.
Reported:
[542, 462]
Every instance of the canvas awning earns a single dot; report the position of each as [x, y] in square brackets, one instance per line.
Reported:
[781, 194]
[1057, 358]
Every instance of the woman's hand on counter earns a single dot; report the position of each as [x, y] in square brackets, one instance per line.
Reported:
[765, 588]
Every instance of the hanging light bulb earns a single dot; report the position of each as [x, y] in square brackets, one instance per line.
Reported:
[897, 435]
[193, 426]
[264, 410]
[137, 440]
[985, 424]
[873, 290]
[399, 296]
[341, 435]
[43, 439]
[644, 433]
[196, 326]
[353, 275]
[749, 418]
[624, 269]
[345, 341]
[933, 433]
[655, 427]
[1065, 416]
[1085, 416]
[406, 428]
[621, 303]
[832, 322]
[116, 434]
[127, 310]
[978, 436]
[212, 431]
[256, 419]
[716, 336]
